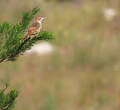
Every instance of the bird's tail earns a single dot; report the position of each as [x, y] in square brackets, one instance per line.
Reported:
[25, 37]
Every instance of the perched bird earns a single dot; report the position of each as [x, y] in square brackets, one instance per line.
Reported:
[35, 28]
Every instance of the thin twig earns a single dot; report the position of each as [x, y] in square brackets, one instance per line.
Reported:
[1, 60]
[6, 86]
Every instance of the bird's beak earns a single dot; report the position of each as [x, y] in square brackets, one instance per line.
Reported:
[43, 18]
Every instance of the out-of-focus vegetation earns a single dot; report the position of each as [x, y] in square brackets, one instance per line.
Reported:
[7, 101]
[83, 71]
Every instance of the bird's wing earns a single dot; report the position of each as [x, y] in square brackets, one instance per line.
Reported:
[33, 27]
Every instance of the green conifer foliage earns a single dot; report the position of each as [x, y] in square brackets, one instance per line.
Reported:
[11, 44]
[7, 100]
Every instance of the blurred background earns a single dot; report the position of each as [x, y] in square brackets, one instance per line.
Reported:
[80, 69]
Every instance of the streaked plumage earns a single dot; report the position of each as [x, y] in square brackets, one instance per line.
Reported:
[34, 29]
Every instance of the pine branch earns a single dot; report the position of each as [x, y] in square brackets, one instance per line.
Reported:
[11, 45]
[7, 101]
[28, 43]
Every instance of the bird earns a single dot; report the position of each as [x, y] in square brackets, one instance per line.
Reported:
[34, 29]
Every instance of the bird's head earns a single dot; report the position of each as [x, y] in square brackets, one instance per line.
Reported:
[40, 19]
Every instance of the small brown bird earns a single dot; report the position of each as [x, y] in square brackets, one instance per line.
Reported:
[35, 28]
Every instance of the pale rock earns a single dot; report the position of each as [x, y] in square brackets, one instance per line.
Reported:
[109, 13]
[42, 48]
